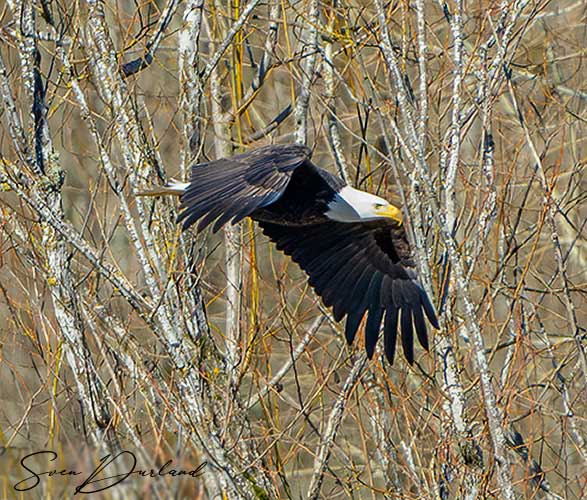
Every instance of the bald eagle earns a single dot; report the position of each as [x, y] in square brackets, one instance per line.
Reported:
[351, 244]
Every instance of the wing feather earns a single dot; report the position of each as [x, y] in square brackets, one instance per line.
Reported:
[374, 318]
[356, 280]
[230, 189]
[358, 269]
[420, 325]
[407, 333]
[196, 207]
[352, 325]
[345, 277]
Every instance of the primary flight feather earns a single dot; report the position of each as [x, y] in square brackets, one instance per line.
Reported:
[351, 244]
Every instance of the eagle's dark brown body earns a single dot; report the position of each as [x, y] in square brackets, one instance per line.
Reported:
[305, 199]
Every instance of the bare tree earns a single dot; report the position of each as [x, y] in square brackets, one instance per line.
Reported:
[121, 333]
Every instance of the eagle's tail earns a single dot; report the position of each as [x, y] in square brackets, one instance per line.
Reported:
[173, 187]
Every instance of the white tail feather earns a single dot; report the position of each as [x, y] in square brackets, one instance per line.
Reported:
[173, 187]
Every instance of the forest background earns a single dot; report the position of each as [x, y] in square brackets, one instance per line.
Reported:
[118, 332]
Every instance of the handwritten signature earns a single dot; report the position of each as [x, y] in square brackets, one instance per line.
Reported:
[99, 479]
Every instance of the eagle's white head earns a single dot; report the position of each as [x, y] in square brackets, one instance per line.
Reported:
[353, 205]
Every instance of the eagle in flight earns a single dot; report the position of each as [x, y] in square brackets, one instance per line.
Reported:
[351, 244]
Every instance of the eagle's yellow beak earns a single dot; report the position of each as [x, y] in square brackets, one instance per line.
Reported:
[390, 212]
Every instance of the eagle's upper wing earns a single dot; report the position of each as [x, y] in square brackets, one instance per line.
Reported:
[360, 267]
[232, 188]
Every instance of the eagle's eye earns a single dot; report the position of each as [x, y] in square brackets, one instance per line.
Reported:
[379, 205]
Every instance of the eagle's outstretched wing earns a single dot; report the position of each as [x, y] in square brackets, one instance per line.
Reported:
[358, 268]
[232, 188]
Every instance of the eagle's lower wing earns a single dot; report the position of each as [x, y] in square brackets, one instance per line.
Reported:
[358, 268]
[230, 189]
